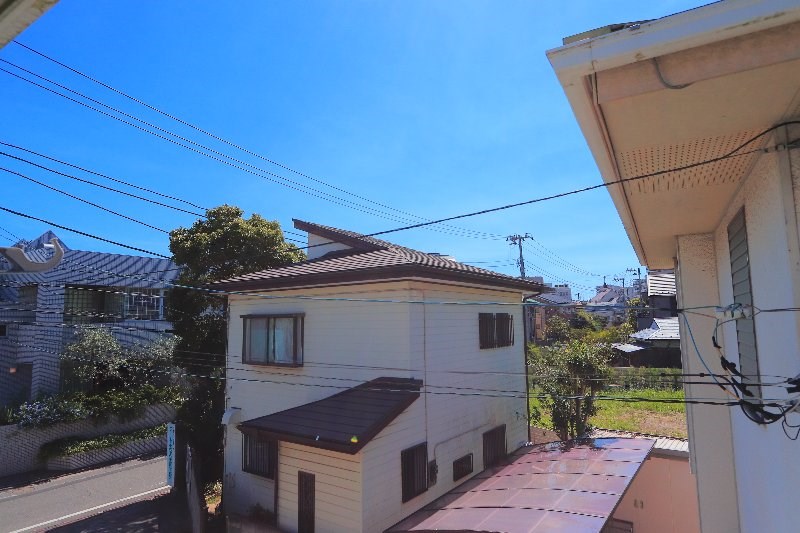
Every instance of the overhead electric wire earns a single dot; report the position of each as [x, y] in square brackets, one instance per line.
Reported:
[89, 182]
[232, 144]
[78, 198]
[79, 232]
[217, 155]
[101, 175]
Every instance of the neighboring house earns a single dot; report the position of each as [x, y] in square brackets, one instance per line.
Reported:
[607, 303]
[541, 308]
[712, 91]
[40, 312]
[368, 381]
[657, 346]
[661, 297]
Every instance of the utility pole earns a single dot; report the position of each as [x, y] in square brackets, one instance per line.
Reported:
[518, 239]
[622, 279]
[638, 272]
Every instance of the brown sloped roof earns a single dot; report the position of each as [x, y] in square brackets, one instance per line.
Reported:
[369, 259]
[344, 422]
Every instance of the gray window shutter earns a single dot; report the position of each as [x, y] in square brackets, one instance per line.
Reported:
[743, 294]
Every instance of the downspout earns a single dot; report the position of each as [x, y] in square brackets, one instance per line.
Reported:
[527, 373]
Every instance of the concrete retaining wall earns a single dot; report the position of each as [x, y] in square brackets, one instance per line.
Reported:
[19, 447]
[107, 455]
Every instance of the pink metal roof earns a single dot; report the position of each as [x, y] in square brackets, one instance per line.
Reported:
[562, 486]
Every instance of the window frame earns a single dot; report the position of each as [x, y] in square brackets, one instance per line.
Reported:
[414, 471]
[262, 466]
[495, 330]
[298, 329]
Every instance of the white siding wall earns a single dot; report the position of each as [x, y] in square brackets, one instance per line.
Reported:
[446, 337]
[426, 342]
[336, 333]
[337, 488]
[765, 460]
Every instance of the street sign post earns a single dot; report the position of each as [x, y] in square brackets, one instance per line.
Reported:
[171, 454]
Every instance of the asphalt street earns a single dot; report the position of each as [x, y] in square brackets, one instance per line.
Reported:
[49, 503]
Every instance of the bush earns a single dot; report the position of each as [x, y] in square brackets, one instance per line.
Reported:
[76, 445]
[126, 404]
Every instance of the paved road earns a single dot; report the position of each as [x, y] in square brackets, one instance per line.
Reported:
[69, 498]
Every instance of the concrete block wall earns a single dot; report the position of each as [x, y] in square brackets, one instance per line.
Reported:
[19, 447]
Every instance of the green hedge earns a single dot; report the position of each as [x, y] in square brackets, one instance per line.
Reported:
[75, 445]
[126, 404]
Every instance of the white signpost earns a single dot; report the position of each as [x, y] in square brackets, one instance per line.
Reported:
[171, 454]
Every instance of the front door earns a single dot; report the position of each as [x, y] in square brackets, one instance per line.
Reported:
[305, 502]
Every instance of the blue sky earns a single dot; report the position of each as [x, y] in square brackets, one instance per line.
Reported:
[431, 108]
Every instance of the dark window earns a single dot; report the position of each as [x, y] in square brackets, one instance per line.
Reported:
[495, 330]
[462, 467]
[273, 340]
[259, 455]
[742, 294]
[494, 446]
[3, 330]
[414, 467]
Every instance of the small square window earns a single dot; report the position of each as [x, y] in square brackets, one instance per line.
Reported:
[259, 455]
[273, 340]
[3, 330]
[462, 467]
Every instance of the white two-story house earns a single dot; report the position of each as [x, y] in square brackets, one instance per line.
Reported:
[368, 381]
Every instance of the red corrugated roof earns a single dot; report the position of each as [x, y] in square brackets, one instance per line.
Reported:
[562, 486]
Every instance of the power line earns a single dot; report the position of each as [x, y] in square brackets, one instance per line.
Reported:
[225, 141]
[79, 232]
[98, 206]
[70, 176]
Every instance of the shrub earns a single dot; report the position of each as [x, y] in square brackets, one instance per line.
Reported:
[126, 404]
[75, 445]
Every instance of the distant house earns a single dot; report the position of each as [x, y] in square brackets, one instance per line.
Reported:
[368, 381]
[657, 346]
[40, 312]
[699, 112]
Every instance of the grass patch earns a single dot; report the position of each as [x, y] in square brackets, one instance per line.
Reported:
[76, 445]
[644, 413]
[643, 416]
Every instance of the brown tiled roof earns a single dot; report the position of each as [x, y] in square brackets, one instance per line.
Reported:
[344, 422]
[369, 259]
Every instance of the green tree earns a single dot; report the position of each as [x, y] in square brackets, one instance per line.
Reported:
[633, 314]
[568, 376]
[557, 328]
[97, 362]
[222, 245]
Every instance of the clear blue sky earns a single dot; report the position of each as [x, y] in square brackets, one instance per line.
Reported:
[433, 108]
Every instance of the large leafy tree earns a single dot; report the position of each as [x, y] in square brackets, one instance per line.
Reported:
[221, 245]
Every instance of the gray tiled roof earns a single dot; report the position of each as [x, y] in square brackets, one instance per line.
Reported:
[368, 259]
[662, 329]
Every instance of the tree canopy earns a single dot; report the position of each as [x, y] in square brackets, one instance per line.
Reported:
[222, 245]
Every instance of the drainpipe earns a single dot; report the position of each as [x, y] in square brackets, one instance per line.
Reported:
[525, 362]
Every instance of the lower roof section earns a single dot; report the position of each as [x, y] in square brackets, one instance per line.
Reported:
[344, 422]
[570, 486]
